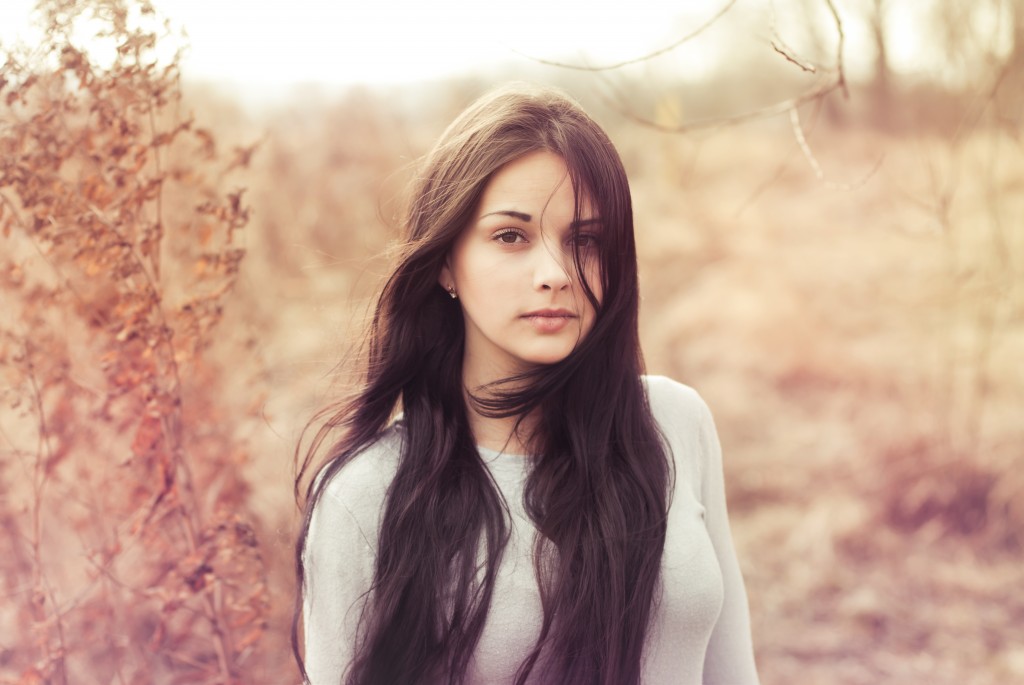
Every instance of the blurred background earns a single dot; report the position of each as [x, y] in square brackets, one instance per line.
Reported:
[196, 200]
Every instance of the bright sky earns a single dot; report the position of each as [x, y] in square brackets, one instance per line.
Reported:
[393, 41]
[346, 41]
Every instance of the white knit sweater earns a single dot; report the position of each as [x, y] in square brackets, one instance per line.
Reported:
[701, 625]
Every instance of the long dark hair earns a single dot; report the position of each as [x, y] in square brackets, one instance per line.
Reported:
[599, 483]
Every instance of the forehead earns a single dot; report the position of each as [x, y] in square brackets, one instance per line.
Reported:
[537, 182]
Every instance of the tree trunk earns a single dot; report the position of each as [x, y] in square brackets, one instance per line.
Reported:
[1009, 98]
[1017, 21]
[881, 84]
[878, 31]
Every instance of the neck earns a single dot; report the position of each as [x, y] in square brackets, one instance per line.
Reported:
[505, 434]
[498, 434]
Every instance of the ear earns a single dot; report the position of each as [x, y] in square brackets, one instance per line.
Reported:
[445, 279]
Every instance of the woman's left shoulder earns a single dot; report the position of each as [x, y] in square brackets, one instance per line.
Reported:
[686, 424]
[683, 417]
[670, 398]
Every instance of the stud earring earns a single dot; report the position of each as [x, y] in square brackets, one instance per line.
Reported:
[451, 291]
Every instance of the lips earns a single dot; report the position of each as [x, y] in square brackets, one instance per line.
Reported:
[549, 320]
[551, 314]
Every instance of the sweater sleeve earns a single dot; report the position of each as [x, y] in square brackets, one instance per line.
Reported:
[338, 567]
[729, 659]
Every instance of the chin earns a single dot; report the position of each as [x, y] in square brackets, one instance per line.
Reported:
[546, 358]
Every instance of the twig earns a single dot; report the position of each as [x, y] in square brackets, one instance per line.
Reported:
[171, 424]
[39, 480]
[58, 620]
[840, 47]
[155, 256]
[837, 82]
[764, 185]
[801, 141]
[635, 60]
[718, 122]
[805, 148]
[14, 210]
[787, 52]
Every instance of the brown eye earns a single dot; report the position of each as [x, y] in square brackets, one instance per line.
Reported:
[510, 236]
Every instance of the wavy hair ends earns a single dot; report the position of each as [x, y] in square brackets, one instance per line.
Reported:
[598, 489]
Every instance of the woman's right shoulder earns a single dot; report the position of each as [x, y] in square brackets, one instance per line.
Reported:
[362, 483]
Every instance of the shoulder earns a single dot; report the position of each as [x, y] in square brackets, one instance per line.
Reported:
[675, 405]
[686, 425]
[361, 485]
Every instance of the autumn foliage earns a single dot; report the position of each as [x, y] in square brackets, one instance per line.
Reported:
[843, 284]
[130, 556]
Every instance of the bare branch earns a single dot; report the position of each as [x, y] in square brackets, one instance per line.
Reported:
[777, 109]
[840, 47]
[805, 148]
[837, 82]
[40, 479]
[635, 60]
[787, 52]
[801, 140]
[780, 46]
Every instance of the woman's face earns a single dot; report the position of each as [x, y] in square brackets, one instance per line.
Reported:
[513, 271]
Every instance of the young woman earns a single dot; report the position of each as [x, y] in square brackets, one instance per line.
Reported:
[510, 499]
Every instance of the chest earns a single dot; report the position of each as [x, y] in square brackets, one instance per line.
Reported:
[685, 612]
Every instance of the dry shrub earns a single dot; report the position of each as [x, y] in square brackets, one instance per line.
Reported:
[964, 477]
[928, 487]
[133, 557]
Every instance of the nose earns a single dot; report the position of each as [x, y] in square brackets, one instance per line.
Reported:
[551, 270]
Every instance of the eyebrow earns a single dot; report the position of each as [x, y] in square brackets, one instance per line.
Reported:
[526, 218]
[508, 212]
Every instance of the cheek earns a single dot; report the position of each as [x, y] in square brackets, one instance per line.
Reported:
[480, 276]
[464, 265]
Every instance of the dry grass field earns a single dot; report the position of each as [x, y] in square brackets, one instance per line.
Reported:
[863, 361]
[859, 346]
[858, 337]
